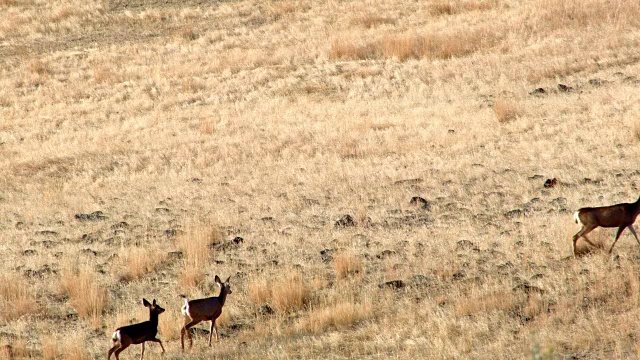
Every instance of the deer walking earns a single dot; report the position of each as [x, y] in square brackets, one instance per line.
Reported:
[619, 215]
[138, 333]
[207, 309]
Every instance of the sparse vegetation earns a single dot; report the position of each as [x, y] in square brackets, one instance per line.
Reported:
[148, 145]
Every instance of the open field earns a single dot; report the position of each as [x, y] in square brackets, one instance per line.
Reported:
[148, 145]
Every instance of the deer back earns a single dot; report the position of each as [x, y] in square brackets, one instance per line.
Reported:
[204, 309]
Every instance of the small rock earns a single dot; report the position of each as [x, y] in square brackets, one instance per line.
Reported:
[385, 254]
[513, 213]
[29, 252]
[94, 216]
[326, 255]
[551, 183]
[538, 91]
[345, 221]
[467, 245]
[175, 255]
[420, 202]
[393, 284]
[237, 240]
[19, 225]
[162, 210]
[265, 309]
[564, 88]
[528, 289]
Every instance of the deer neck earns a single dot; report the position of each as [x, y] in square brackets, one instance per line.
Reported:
[223, 295]
[153, 317]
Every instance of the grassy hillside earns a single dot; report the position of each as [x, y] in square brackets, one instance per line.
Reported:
[147, 145]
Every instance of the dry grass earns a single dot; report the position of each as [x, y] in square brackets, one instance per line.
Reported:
[290, 294]
[135, 262]
[196, 246]
[415, 46]
[86, 295]
[347, 265]
[335, 317]
[506, 110]
[259, 292]
[228, 137]
[17, 298]
[452, 7]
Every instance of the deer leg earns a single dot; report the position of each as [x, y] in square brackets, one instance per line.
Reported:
[142, 353]
[114, 348]
[117, 353]
[215, 327]
[186, 328]
[211, 327]
[620, 229]
[159, 342]
[583, 233]
[633, 231]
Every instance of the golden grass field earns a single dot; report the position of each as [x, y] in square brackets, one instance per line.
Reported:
[191, 123]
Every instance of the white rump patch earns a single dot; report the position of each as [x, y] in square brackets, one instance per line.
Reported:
[576, 217]
[185, 308]
[116, 336]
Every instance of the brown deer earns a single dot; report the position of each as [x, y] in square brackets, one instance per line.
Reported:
[619, 215]
[138, 333]
[207, 309]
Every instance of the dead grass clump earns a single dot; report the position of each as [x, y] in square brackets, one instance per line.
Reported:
[17, 349]
[290, 294]
[8, 2]
[372, 20]
[484, 303]
[73, 348]
[506, 110]
[196, 244]
[571, 14]
[350, 50]
[49, 346]
[338, 316]
[104, 75]
[135, 262]
[259, 292]
[86, 295]
[170, 325]
[207, 126]
[347, 265]
[187, 33]
[636, 131]
[451, 7]
[39, 67]
[17, 298]
[436, 46]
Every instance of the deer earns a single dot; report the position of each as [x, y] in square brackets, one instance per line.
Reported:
[138, 333]
[207, 309]
[621, 216]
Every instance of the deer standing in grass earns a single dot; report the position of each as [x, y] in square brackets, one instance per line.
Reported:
[138, 333]
[207, 309]
[619, 215]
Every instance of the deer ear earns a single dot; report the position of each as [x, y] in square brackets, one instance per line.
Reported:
[145, 302]
[217, 279]
[227, 281]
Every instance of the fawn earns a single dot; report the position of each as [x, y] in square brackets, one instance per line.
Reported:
[138, 333]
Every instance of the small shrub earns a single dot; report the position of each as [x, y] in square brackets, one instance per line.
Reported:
[336, 316]
[347, 265]
[17, 298]
[135, 262]
[259, 292]
[196, 244]
[87, 296]
[291, 294]
[506, 110]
